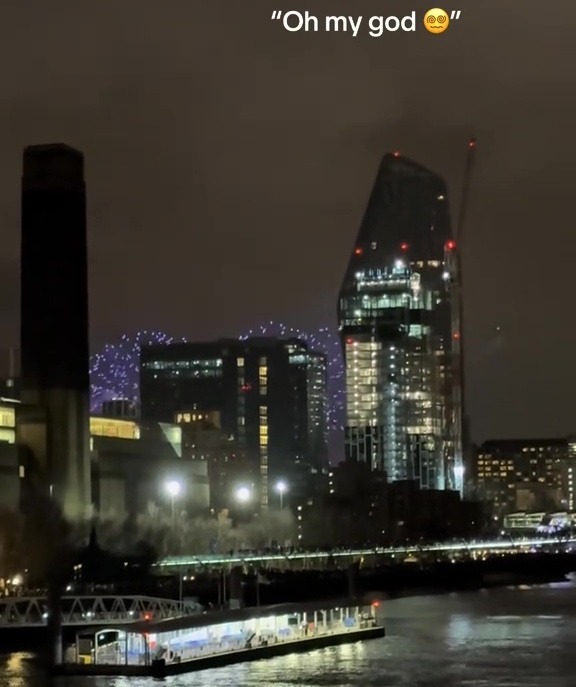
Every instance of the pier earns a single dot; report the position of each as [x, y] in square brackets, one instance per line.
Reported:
[218, 638]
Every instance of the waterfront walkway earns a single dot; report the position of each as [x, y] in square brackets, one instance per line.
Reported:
[311, 559]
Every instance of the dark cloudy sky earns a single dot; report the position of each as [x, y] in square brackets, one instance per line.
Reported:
[229, 163]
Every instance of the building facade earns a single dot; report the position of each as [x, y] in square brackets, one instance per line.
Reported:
[204, 441]
[399, 330]
[527, 475]
[53, 432]
[132, 465]
[569, 475]
[270, 395]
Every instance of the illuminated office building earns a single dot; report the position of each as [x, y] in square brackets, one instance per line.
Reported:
[397, 327]
[528, 475]
[270, 395]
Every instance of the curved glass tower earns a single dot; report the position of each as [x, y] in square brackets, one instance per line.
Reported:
[400, 331]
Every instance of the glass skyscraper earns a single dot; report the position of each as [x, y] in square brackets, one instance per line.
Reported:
[400, 332]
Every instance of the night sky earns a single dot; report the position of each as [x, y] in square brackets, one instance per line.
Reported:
[229, 163]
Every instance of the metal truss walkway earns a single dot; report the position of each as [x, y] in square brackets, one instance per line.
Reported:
[20, 611]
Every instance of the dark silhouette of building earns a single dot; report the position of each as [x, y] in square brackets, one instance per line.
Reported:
[363, 510]
[270, 395]
[396, 324]
[53, 430]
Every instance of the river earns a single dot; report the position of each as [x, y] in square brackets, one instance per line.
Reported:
[515, 637]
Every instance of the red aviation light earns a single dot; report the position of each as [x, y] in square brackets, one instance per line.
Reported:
[404, 246]
[472, 143]
[246, 387]
[456, 336]
[450, 245]
[396, 153]
[358, 251]
[349, 340]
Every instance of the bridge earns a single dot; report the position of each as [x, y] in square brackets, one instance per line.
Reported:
[20, 611]
[309, 559]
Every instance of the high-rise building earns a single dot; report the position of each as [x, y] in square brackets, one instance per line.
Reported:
[53, 423]
[317, 375]
[398, 328]
[270, 395]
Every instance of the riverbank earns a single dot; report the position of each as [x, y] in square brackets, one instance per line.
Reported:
[393, 581]
[410, 579]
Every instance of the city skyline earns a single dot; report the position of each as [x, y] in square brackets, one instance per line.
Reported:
[184, 169]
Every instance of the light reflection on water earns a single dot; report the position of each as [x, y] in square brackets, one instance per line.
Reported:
[498, 638]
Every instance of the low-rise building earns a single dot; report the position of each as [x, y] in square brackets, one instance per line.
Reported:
[134, 464]
[524, 475]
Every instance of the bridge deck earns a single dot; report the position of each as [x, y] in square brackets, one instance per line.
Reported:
[279, 559]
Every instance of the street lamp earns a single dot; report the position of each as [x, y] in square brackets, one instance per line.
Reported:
[281, 488]
[243, 494]
[174, 489]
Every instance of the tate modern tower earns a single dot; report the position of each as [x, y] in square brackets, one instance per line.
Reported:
[53, 423]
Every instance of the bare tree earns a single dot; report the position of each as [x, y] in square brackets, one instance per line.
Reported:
[193, 535]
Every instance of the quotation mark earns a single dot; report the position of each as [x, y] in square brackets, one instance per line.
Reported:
[277, 14]
[455, 14]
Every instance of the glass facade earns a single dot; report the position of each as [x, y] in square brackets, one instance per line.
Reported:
[399, 329]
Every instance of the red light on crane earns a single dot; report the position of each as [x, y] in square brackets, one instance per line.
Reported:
[450, 245]
[358, 251]
[147, 616]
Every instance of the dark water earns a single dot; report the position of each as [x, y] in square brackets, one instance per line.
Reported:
[500, 638]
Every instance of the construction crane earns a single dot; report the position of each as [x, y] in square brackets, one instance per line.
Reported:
[459, 397]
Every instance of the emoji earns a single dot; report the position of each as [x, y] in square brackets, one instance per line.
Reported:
[436, 20]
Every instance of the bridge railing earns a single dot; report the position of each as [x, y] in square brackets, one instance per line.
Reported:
[21, 611]
[270, 559]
